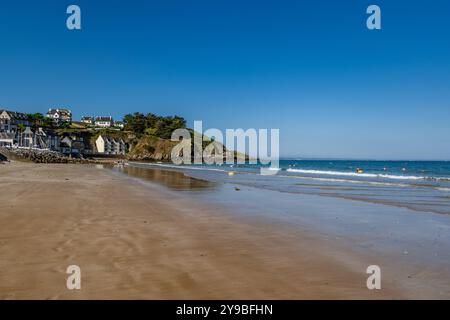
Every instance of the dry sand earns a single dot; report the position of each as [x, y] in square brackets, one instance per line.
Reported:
[137, 242]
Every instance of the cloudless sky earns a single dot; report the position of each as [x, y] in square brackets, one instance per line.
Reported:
[310, 68]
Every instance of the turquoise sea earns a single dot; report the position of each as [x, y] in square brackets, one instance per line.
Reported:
[417, 185]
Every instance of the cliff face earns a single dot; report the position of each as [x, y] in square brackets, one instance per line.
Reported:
[156, 149]
[151, 148]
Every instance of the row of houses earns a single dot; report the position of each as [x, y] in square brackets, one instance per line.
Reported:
[38, 139]
[102, 122]
[10, 119]
[110, 146]
[65, 115]
[68, 144]
[103, 145]
[16, 132]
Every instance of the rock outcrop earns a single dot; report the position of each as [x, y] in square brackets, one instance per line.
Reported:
[40, 156]
[151, 148]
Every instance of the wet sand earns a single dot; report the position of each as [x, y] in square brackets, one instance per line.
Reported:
[135, 241]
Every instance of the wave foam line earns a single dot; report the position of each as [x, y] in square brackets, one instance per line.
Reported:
[354, 174]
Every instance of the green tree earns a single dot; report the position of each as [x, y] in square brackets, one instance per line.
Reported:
[152, 124]
[36, 119]
[65, 125]
[48, 122]
[135, 122]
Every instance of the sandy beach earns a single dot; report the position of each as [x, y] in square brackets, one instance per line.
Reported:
[141, 242]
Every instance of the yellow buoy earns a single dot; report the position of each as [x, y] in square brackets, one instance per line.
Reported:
[231, 173]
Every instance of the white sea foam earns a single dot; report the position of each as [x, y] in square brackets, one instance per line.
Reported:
[311, 173]
[390, 176]
[354, 174]
[272, 169]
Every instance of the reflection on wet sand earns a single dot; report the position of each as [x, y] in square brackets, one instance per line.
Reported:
[173, 179]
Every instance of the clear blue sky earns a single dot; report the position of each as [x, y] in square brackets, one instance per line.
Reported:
[310, 68]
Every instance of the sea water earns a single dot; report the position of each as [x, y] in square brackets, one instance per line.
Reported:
[417, 185]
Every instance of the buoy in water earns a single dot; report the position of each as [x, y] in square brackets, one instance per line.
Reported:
[231, 173]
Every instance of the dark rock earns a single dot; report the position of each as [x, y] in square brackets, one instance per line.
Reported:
[42, 156]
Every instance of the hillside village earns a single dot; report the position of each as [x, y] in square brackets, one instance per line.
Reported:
[57, 131]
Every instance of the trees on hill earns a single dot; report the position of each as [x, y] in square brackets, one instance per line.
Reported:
[138, 123]
[38, 120]
[153, 125]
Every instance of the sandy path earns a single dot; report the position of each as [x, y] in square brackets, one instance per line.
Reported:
[136, 242]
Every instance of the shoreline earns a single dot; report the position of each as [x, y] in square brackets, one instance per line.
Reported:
[419, 197]
[411, 247]
[143, 242]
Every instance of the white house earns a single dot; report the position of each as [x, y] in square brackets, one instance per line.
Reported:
[104, 122]
[119, 124]
[60, 115]
[87, 120]
[107, 145]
